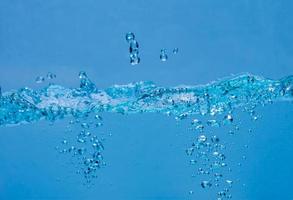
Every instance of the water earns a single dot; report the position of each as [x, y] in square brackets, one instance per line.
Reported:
[112, 134]
[54, 101]
[245, 92]
[133, 48]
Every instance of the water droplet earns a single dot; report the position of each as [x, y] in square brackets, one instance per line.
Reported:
[206, 184]
[134, 59]
[175, 50]
[133, 48]
[82, 75]
[163, 55]
[51, 75]
[40, 79]
[129, 36]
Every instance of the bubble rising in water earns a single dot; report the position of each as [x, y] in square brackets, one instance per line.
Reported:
[206, 184]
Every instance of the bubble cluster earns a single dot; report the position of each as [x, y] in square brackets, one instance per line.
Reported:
[133, 48]
[87, 149]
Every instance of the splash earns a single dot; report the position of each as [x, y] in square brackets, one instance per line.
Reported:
[55, 102]
[221, 97]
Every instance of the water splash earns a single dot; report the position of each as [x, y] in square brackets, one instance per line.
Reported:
[222, 97]
[54, 102]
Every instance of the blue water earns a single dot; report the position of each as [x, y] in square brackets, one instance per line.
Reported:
[200, 109]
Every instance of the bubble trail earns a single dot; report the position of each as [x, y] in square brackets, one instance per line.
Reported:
[55, 102]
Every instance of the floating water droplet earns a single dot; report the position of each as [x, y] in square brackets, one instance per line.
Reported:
[175, 50]
[129, 36]
[163, 55]
[134, 59]
[51, 75]
[82, 75]
[206, 184]
[133, 48]
[40, 79]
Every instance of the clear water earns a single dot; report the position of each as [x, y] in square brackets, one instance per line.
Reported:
[80, 120]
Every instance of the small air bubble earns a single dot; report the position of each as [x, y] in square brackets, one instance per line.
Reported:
[206, 184]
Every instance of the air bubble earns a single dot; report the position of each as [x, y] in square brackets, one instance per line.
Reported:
[215, 139]
[206, 184]
[202, 138]
[229, 118]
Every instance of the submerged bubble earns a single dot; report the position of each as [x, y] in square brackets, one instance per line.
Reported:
[202, 138]
[192, 162]
[213, 123]
[229, 182]
[215, 139]
[206, 184]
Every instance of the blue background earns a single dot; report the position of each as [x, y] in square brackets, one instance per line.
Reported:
[145, 155]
